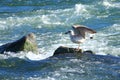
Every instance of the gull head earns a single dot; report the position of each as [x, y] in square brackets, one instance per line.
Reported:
[69, 32]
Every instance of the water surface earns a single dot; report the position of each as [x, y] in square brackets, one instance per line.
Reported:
[49, 19]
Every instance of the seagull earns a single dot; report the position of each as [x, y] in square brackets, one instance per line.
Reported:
[77, 35]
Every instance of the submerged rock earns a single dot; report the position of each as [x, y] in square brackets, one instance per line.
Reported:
[26, 43]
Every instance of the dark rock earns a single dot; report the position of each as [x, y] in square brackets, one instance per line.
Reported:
[63, 50]
[26, 43]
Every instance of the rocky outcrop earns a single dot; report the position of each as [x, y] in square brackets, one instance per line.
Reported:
[63, 50]
[26, 43]
[66, 50]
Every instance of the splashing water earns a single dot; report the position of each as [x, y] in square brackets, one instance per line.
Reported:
[51, 23]
[49, 19]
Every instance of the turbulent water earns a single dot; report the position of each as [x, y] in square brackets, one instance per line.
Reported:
[49, 19]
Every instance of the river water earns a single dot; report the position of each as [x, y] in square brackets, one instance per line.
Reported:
[49, 19]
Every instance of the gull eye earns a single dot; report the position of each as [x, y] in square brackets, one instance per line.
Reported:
[91, 37]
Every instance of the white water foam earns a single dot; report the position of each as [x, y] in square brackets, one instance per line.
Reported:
[29, 56]
[109, 4]
[102, 44]
[48, 18]
[52, 17]
[2, 25]
[36, 57]
[39, 78]
[79, 8]
[65, 17]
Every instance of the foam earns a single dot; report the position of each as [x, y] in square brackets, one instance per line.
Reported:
[39, 19]
[79, 8]
[2, 25]
[36, 57]
[100, 44]
[109, 4]
[25, 55]
[39, 78]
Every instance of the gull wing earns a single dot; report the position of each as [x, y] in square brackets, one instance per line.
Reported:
[81, 30]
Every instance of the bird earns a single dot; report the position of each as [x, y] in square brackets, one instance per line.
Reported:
[78, 34]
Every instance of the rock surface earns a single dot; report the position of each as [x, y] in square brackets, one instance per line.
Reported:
[71, 51]
[63, 50]
[26, 43]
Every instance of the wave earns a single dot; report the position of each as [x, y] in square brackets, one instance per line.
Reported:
[39, 18]
[43, 18]
[27, 56]
[110, 4]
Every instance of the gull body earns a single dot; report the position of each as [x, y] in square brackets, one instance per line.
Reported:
[77, 35]
[76, 39]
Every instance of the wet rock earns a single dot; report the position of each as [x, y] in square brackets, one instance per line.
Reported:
[26, 43]
[63, 50]
[66, 51]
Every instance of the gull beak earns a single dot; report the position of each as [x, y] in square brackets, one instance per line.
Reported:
[67, 32]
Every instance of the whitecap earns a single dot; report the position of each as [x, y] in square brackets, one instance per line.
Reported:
[103, 42]
[79, 8]
[109, 4]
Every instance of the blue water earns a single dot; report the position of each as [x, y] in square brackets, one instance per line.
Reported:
[49, 19]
